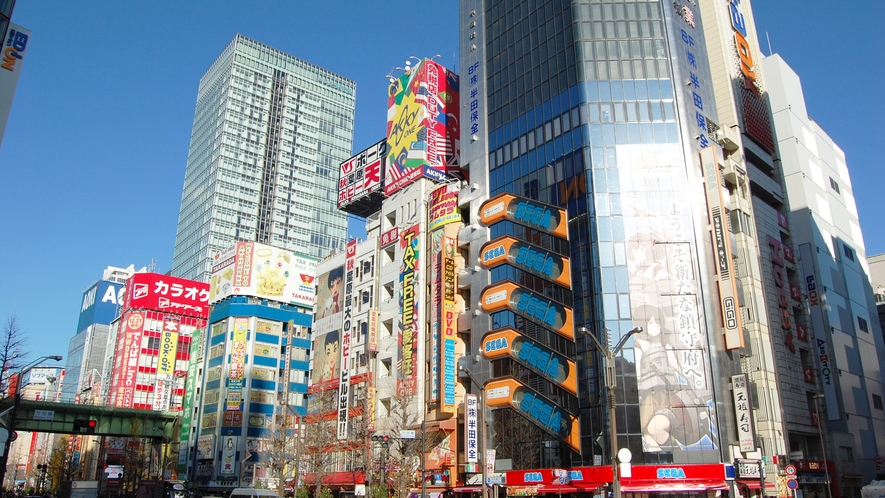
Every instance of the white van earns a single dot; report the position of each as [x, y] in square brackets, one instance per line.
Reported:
[253, 493]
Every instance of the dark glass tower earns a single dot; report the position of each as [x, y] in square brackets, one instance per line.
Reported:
[605, 109]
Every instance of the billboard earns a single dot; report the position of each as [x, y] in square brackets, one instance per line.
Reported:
[15, 46]
[422, 126]
[443, 206]
[132, 328]
[100, 303]
[410, 299]
[449, 327]
[509, 392]
[542, 360]
[173, 295]
[344, 378]
[535, 307]
[168, 348]
[526, 257]
[253, 269]
[359, 178]
[527, 212]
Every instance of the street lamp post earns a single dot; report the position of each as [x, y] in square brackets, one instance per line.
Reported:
[609, 367]
[10, 423]
[823, 446]
[482, 427]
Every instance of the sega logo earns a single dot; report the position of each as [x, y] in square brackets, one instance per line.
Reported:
[671, 473]
[534, 215]
[533, 477]
[493, 253]
[496, 344]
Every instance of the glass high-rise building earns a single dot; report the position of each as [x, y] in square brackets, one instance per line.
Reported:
[269, 133]
[606, 109]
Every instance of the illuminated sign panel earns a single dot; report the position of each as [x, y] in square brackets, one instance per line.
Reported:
[359, 177]
[449, 327]
[174, 295]
[508, 392]
[542, 360]
[537, 308]
[526, 212]
[527, 257]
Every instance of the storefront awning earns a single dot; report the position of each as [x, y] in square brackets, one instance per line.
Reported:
[754, 484]
[468, 489]
[673, 486]
[570, 488]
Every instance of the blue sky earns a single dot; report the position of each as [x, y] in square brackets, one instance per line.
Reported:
[95, 148]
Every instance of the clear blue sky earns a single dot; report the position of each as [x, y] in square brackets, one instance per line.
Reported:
[95, 149]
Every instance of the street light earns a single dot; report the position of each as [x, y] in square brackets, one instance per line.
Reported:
[609, 367]
[10, 423]
[482, 425]
[823, 446]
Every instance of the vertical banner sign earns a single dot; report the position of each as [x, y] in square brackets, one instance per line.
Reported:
[189, 390]
[373, 330]
[471, 428]
[435, 310]
[134, 326]
[821, 338]
[742, 412]
[781, 284]
[371, 405]
[409, 300]
[731, 314]
[346, 329]
[449, 327]
[14, 46]
[168, 348]
[237, 364]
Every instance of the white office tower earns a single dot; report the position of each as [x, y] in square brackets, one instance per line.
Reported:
[848, 345]
[269, 133]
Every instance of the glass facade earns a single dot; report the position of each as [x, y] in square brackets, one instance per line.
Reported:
[269, 134]
[583, 114]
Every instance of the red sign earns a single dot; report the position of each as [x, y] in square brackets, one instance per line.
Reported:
[390, 236]
[168, 294]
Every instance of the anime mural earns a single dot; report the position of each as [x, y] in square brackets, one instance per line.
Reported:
[422, 131]
[672, 364]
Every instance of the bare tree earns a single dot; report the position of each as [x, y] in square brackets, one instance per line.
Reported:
[12, 348]
[317, 442]
[402, 457]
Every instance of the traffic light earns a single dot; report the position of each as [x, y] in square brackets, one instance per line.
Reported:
[84, 426]
[384, 440]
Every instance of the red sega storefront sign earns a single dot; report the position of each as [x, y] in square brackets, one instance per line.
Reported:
[168, 294]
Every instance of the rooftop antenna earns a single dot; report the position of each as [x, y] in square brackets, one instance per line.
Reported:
[769, 42]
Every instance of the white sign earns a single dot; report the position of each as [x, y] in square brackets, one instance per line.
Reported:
[471, 428]
[44, 415]
[743, 413]
[407, 434]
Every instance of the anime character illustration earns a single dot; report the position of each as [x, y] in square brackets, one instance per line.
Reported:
[326, 357]
[333, 299]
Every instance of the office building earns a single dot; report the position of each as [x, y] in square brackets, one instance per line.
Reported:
[603, 115]
[85, 362]
[248, 385]
[843, 325]
[269, 133]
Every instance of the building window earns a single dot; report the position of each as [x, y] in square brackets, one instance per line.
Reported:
[834, 185]
[849, 252]
[877, 402]
[847, 453]
[862, 325]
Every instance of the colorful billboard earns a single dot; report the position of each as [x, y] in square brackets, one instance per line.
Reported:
[527, 257]
[535, 307]
[449, 327]
[443, 208]
[15, 46]
[539, 358]
[179, 296]
[527, 212]
[253, 269]
[410, 299]
[509, 392]
[422, 126]
[359, 177]
[346, 326]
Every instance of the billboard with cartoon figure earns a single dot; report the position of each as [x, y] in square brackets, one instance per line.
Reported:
[422, 126]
